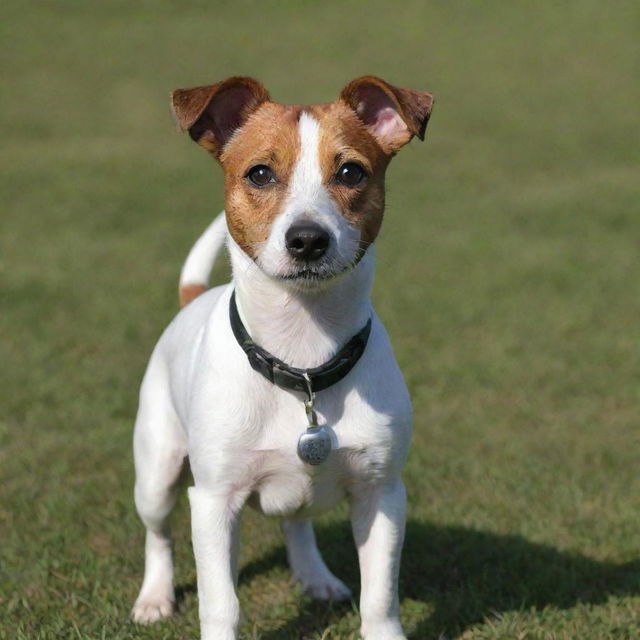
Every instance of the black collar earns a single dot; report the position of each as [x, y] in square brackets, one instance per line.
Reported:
[286, 377]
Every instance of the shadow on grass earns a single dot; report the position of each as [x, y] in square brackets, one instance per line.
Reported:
[468, 575]
[465, 575]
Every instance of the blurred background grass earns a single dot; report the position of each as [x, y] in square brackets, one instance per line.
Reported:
[508, 278]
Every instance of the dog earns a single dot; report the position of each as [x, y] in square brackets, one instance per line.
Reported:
[281, 388]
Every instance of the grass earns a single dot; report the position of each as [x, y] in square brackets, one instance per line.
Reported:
[508, 279]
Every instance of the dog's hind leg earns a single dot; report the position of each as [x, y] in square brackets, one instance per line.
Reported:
[307, 564]
[159, 446]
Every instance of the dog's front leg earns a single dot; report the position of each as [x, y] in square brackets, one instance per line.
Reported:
[378, 521]
[214, 528]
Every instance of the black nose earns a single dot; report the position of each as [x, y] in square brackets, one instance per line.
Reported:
[306, 241]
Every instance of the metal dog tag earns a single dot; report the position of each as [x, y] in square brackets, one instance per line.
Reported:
[314, 445]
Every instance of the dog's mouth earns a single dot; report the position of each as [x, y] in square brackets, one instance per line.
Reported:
[309, 274]
[322, 272]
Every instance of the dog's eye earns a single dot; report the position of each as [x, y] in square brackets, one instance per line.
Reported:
[260, 175]
[350, 174]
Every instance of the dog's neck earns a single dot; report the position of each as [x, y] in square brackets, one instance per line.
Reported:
[304, 328]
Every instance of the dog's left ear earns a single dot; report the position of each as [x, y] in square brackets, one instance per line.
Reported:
[211, 114]
[391, 114]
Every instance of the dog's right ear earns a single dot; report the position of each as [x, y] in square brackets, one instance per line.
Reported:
[212, 114]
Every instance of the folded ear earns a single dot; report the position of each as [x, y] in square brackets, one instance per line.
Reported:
[211, 114]
[391, 114]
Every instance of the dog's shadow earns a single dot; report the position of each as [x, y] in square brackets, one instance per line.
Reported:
[463, 575]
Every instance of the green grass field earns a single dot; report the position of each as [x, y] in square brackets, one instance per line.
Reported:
[508, 277]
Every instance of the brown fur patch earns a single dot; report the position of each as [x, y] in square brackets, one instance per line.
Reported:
[343, 138]
[189, 292]
[270, 137]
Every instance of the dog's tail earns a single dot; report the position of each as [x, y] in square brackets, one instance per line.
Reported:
[194, 277]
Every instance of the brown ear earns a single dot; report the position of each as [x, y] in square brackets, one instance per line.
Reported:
[211, 114]
[391, 114]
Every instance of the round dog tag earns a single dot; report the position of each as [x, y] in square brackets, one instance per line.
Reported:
[314, 445]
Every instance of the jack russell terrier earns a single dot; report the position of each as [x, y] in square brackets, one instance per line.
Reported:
[281, 388]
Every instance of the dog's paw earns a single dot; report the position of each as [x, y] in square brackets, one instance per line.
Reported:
[150, 609]
[327, 587]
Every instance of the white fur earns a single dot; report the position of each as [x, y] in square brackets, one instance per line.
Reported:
[201, 398]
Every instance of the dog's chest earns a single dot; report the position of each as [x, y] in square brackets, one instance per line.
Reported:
[243, 430]
[283, 485]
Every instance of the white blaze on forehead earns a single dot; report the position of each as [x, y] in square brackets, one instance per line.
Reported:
[306, 180]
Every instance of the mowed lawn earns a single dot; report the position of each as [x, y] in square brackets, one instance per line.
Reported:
[508, 278]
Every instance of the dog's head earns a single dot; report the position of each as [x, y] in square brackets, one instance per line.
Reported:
[304, 186]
